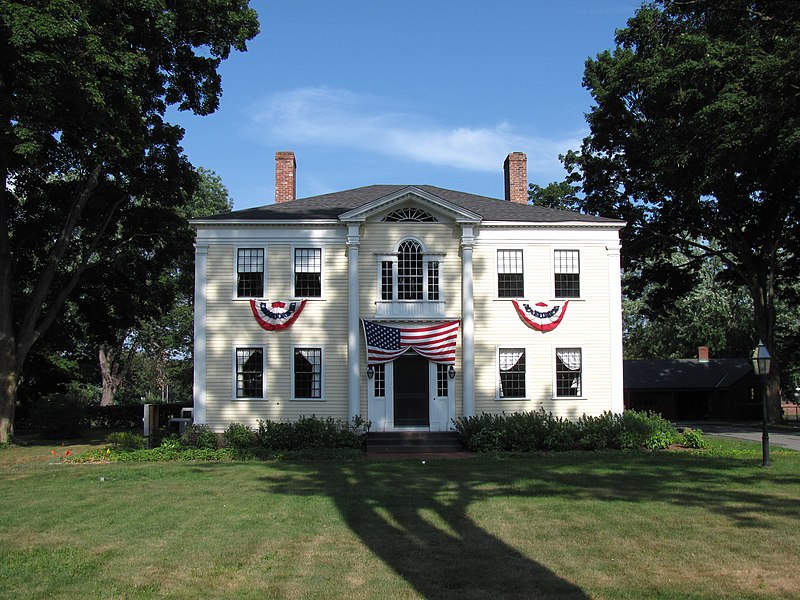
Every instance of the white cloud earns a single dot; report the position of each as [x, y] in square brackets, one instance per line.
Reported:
[322, 115]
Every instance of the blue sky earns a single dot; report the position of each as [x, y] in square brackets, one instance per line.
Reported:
[403, 92]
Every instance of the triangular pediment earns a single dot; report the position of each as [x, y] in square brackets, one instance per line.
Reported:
[410, 204]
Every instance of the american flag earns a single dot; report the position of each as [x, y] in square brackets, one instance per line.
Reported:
[437, 342]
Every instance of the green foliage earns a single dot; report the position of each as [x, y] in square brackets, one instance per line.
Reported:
[199, 436]
[538, 430]
[126, 440]
[693, 438]
[238, 435]
[171, 442]
[310, 433]
[693, 142]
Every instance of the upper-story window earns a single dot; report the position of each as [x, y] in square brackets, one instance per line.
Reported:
[410, 274]
[567, 273]
[249, 272]
[510, 274]
[307, 272]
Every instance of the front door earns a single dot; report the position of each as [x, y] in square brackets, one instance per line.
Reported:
[411, 404]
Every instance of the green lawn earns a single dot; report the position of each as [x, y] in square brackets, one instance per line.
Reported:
[572, 525]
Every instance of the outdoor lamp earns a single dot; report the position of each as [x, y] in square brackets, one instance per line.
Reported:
[761, 359]
[761, 364]
[370, 372]
[451, 372]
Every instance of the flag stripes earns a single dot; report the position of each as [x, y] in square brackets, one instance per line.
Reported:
[436, 342]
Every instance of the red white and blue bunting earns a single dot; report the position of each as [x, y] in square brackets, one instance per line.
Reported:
[541, 316]
[276, 315]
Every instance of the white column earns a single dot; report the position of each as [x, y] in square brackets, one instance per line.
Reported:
[353, 323]
[199, 354]
[467, 323]
[615, 327]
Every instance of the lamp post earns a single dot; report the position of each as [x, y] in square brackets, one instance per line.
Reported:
[761, 364]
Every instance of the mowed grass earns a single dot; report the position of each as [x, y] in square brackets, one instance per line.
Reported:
[711, 524]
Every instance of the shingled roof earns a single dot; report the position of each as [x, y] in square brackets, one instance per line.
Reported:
[684, 374]
[329, 206]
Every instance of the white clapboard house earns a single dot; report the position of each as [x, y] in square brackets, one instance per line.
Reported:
[409, 305]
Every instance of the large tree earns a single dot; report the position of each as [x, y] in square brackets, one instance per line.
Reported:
[88, 164]
[694, 140]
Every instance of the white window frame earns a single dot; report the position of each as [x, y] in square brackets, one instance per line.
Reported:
[321, 372]
[498, 384]
[497, 251]
[566, 346]
[553, 251]
[309, 246]
[236, 248]
[235, 372]
[427, 258]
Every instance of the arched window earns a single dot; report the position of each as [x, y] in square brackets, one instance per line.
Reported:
[409, 271]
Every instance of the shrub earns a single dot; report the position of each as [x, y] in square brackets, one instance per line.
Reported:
[58, 416]
[238, 435]
[645, 430]
[693, 438]
[538, 430]
[171, 442]
[198, 436]
[125, 440]
[311, 433]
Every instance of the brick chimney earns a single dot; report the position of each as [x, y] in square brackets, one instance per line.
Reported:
[702, 354]
[516, 172]
[285, 177]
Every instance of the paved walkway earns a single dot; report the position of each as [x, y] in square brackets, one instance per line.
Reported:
[752, 432]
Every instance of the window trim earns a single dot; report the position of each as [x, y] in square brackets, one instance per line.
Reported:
[553, 251]
[394, 259]
[498, 383]
[309, 246]
[235, 372]
[321, 349]
[497, 251]
[567, 346]
[236, 248]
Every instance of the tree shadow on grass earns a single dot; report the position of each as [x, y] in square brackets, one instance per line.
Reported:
[416, 517]
[419, 525]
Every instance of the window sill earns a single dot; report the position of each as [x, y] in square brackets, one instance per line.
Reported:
[562, 398]
[307, 400]
[516, 399]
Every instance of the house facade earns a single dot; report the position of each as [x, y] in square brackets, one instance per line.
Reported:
[409, 305]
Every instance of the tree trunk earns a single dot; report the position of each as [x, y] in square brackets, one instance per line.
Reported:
[109, 374]
[9, 380]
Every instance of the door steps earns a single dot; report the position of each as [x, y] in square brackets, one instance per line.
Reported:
[420, 442]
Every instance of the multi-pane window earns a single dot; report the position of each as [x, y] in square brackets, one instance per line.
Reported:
[249, 373]
[379, 380]
[442, 381]
[386, 280]
[567, 269]
[510, 278]
[308, 373]
[568, 371]
[308, 272]
[512, 372]
[409, 271]
[433, 280]
[250, 272]
[410, 274]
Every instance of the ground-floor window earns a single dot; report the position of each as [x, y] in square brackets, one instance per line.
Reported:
[442, 381]
[307, 373]
[569, 368]
[250, 372]
[379, 380]
[511, 362]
